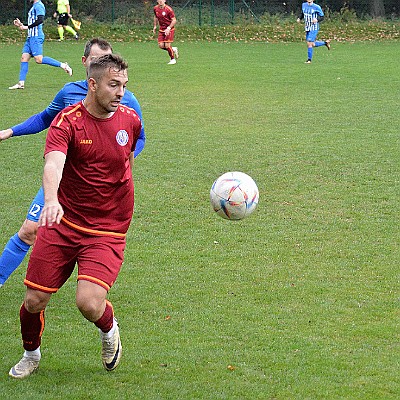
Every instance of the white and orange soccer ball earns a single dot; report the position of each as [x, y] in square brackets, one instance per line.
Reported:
[234, 195]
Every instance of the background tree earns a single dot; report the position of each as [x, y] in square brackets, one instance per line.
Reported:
[377, 8]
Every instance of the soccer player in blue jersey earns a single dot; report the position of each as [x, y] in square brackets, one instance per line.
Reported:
[33, 46]
[312, 15]
[73, 92]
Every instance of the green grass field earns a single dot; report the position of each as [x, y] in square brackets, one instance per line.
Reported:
[300, 300]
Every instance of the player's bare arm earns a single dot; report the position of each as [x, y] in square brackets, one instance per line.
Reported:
[52, 211]
[20, 25]
[171, 25]
[154, 25]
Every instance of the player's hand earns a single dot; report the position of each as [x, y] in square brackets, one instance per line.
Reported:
[298, 19]
[167, 31]
[314, 20]
[52, 212]
[17, 22]
[5, 134]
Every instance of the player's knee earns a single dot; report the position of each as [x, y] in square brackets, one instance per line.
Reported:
[36, 301]
[28, 231]
[90, 299]
[90, 308]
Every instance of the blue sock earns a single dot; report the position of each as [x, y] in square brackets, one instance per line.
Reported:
[309, 52]
[319, 44]
[51, 61]
[12, 256]
[23, 70]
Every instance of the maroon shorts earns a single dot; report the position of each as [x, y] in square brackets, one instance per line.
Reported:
[166, 39]
[58, 248]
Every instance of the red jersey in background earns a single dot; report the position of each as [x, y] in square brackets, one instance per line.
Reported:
[164, 16]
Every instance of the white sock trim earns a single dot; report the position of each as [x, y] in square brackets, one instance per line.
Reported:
[34, 354]
[110, 333]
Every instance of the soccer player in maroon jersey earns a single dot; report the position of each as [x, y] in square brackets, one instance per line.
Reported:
[89, 199]
[165, 16]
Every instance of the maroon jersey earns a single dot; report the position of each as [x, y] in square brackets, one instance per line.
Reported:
[164, 16]
[96, 189]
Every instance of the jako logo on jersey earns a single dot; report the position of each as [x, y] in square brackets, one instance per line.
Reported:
[86, 141]
[122, 137]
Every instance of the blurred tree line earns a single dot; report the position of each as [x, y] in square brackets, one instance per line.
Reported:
[140, 11]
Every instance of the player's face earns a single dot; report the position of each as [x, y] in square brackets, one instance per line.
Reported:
[110, 89]
[95, 52]
[161, 3]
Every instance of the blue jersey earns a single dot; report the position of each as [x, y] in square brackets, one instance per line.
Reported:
[36, 10]
[72, 93]
[311, 12]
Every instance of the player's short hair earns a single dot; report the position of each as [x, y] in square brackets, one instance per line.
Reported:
[108, 61]
[102, 43]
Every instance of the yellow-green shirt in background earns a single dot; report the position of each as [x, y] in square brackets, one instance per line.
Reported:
[62, 6]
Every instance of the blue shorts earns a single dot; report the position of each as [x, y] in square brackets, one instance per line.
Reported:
[36, 206]
[311, 36]
[33, 46]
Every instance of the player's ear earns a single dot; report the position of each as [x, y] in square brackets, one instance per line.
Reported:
[92, 84]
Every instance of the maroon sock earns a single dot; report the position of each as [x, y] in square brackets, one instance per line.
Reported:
[106, 321]
[32, 326]
[171, 52]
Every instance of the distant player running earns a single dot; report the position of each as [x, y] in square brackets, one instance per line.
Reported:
[165, 16]
[63, 14]
[312, 15]
[19, 244]
[33, 46]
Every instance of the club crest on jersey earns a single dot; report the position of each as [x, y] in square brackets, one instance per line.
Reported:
[122, 137]
[163, 13]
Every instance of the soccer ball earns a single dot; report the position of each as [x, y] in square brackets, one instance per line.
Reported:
[234, 195]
